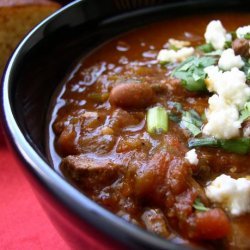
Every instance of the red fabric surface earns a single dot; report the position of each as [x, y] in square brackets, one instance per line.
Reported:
[23, 223]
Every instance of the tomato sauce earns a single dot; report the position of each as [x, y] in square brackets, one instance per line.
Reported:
[107, 153]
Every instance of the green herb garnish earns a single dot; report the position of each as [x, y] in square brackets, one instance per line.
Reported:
[211, 142]
[246, 69]
[206, 48]
[233, 34]
[247, 36]
[238, 146]
[157, 120]
[172, 115]
[176, 105]
[192, 74]
[214, 53]
[199, 206]
[228, 44]
[245, 113]
[173, 47]
[191, 120]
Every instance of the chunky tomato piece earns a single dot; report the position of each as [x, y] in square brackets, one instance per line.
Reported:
[212, 224]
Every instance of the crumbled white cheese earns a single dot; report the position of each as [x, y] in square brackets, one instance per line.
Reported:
[214, 76]
[233, 194]
[242, 31]
[223, 119]
[191, 157]
[223, 114]
[178, 43]
[230, 85]
[166, 55]
[229, 60]
[233, 87]
[216, 34]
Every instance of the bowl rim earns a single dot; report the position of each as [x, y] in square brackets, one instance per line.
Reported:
[54, 182]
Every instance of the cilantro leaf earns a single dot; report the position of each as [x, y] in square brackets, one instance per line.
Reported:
[199, 206]
[174, 118]
[191, 72]
[247, 36]
[206, 48]
[228, 44]
[191, 121]
[172, 115]
[205, 61]
[245, 113]
[246, 69]
[214, 53]
[176, 105]
[184, 66]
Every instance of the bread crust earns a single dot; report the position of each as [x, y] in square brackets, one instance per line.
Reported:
[17, 18]
[15, 3]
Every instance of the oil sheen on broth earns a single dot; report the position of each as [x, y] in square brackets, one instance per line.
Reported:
[135, 128]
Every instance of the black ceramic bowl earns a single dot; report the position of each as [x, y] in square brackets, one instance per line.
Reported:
[36, 68]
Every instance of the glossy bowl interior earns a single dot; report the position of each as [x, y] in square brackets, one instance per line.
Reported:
[36, 68]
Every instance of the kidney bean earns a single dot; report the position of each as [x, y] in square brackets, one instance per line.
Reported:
[241, 47]
[132, 95]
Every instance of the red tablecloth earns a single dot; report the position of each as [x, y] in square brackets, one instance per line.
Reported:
[23, 223]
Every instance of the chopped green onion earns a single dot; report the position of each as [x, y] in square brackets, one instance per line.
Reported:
[245, 113]
[157, 120]
[214, 53]
[247, 36]
[211, 142]
[238, 146]
[191, 121]
[206, 48]
[199, 206]
[191, 72]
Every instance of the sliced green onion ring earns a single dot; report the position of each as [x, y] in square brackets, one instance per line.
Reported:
[157, 120]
